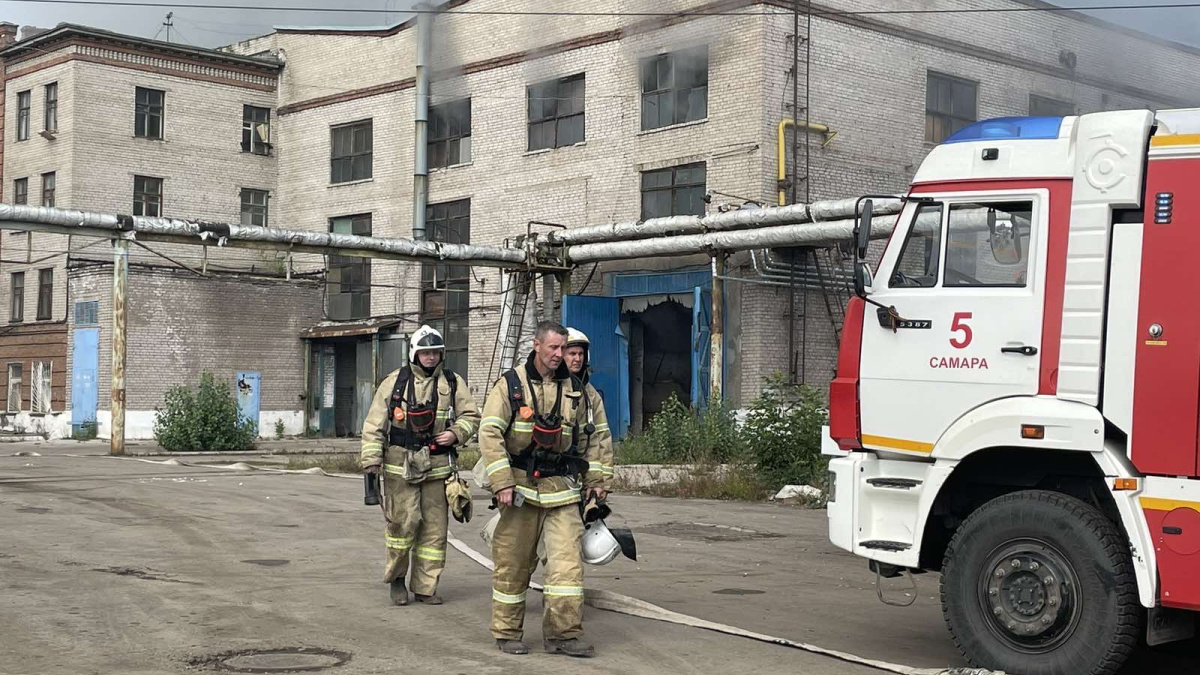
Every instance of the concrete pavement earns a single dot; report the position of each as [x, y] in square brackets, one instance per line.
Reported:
[116, 565]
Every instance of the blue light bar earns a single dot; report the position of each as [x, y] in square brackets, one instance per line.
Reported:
[1008, 128]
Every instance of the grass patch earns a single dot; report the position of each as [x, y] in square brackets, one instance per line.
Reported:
[331, 463]
[736, 481]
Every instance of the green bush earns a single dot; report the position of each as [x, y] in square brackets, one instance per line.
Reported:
[202, 420]
[783, 433]
[676, 435]
[85, 432]
[278, 430]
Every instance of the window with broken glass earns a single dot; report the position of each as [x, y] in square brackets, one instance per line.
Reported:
[348, 279]
[674, 191]
[445, 294]
[254, 207]
[256, 130]
[556, 112]
[674, 88]
[40, 393]
[450, 133]
[351, 155]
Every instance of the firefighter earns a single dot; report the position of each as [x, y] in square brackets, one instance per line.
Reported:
[595, 420]
[530, 440]
[419, 414]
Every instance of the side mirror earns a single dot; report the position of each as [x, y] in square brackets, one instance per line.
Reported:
[1005, 240]
[862, 230]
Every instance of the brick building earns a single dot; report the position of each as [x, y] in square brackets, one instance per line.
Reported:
[580, 120]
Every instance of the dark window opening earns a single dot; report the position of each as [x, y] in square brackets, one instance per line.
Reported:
[254, 207]
[45, 294]
[351, 152]
[147, 196]
[256, 130]
[445, 295]
[148, 113]
[674, 88]
[450, 134]
[556, 110]
[23, 116]
[674, 191]
[50, 118]
[950, 105]
[348, 279]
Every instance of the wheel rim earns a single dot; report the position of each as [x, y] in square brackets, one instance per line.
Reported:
[1029, 592]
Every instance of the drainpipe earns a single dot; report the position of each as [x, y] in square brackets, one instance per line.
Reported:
[421, 130]
[781, 144]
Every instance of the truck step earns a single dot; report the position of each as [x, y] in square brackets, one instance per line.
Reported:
[897, 483]
[882, 545]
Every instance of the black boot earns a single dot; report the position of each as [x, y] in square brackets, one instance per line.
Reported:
[512, 646]
[399, 592]
[571, 647]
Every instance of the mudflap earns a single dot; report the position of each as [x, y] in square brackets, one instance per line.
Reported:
[1166, 625]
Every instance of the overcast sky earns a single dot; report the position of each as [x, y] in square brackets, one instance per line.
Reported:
[212, 28]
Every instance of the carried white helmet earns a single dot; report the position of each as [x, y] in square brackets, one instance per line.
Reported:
[425, 339]
[577, 338]
[599, 545]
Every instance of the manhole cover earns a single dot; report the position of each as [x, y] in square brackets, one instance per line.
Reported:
[739, 591]
[284, 660]
[706, 532]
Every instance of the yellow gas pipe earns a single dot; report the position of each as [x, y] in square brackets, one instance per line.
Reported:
[780, 142]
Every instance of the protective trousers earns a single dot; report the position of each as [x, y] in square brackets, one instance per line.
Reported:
[514, 550]
[416, 516]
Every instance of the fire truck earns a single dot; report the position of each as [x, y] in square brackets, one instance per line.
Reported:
[1018, 389]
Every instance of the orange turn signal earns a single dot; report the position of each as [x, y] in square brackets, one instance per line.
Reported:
[1034, 431]
[1125, 483]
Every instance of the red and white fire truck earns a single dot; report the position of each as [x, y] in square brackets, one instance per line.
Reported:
[1017, 395]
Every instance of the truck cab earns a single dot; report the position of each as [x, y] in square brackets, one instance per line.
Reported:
[1018, 388]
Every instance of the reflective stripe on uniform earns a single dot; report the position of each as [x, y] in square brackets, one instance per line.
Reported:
[498, 422]
[434, 554]
[549, 498]
[508, 599]
[601, 427]
[595, 466]
[523, 427]
[394, 469]
[399, 543]
[439, 472]
[372, 446]
[497, 465]
[466, 426]
[552, 591]
[443, 415]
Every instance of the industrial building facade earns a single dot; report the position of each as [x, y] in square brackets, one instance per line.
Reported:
[535, 123]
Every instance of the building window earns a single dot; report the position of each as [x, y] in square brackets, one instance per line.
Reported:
[23, 116]
[674, 88]
[148, 115]
[14, 387]
[45, 294]
[351, 156]
[556, 113]
[348, 280]
[254, 207]
[40, 393]
[1044, 106]
[51, 113]
[21, 191]
[450, 134]
[147, 196]
[86, 312]
[445, 289]
[16, 312]
[256, 130]
[950, 105]
[49, 180]
[675, 191]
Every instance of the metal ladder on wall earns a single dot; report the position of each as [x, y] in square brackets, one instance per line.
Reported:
[513, 310]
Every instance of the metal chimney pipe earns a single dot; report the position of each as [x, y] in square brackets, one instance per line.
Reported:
[421, 118]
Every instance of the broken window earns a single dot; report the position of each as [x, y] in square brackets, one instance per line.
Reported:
[14, 387]
[674, 191]
[147, 196]
[256, 130]
[148, 113]
[450, 133]
[254, 207]
[16, 312]
[23, 116]
[50, 118]
[556, 113]
[950, 105]
[45, 294]
[445, 294]
[351, 152]
[49, 180]
[674, 88]
[21, 191]
[1044, 106]
[348, 279]
[40, 392]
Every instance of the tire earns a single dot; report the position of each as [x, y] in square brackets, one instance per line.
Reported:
[1039, 583]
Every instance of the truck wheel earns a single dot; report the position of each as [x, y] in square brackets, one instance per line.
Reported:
[1039, 583]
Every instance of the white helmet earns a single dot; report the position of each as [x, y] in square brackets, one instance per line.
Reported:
[425, 339]
[576, 337]
[599, 546]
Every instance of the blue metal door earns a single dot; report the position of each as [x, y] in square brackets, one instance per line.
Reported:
[249, 395]
[701, 346]
[599, 318]
[84, 361]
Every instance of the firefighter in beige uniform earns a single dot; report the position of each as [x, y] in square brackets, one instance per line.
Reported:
[594, 418]
[529, 439]
[411, 417]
